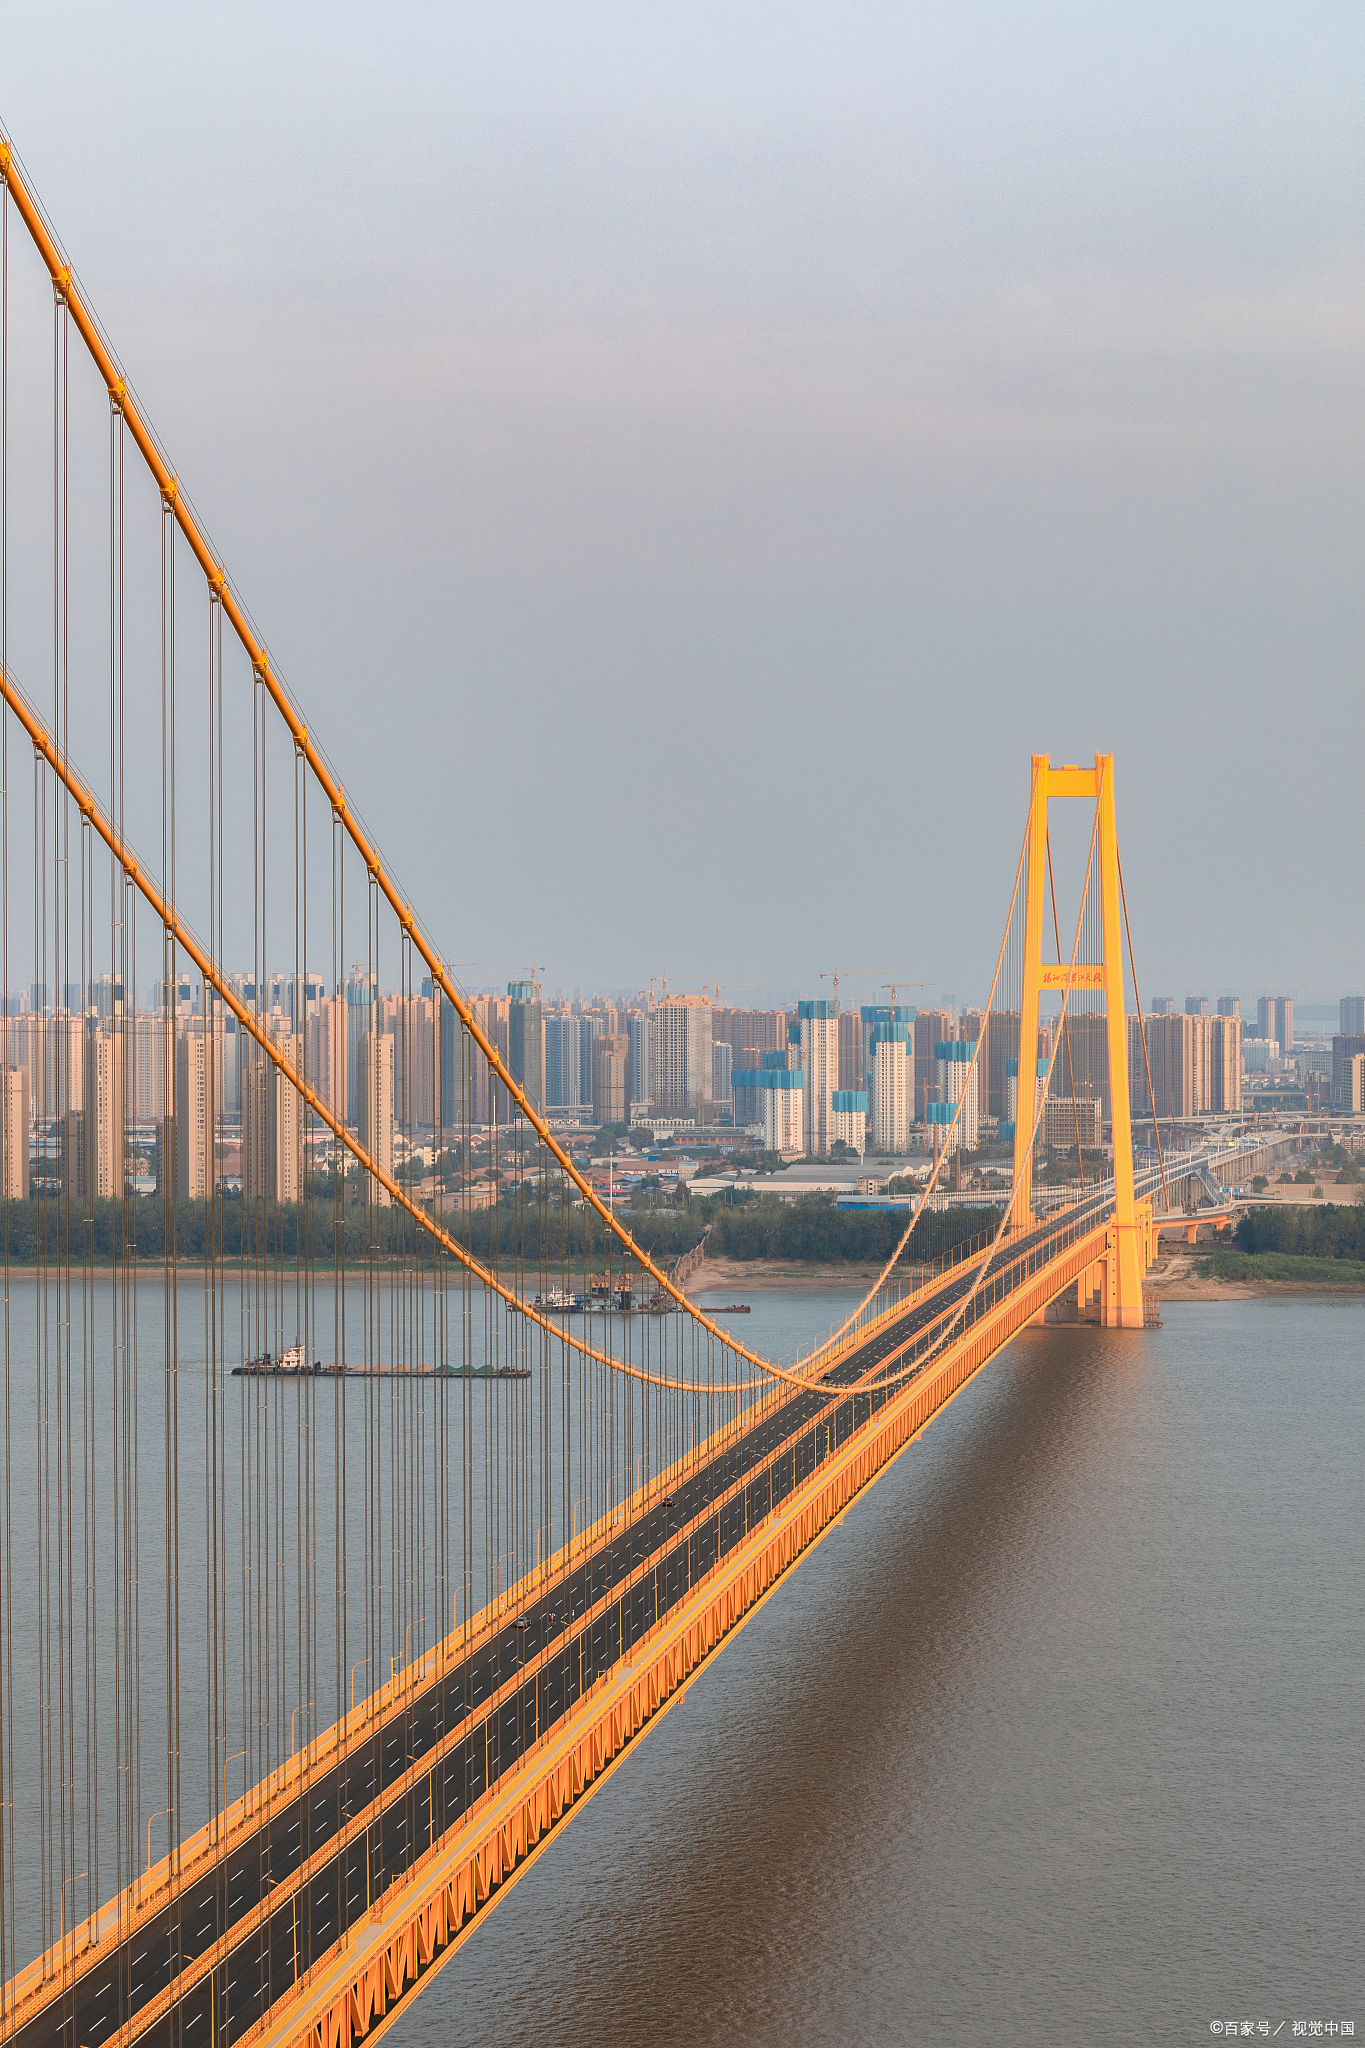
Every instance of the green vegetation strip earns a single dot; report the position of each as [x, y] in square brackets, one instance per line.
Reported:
[1331, 1230]
[1226, 1265]
[811, 1231]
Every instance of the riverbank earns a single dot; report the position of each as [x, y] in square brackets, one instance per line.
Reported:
[1181, 1274]
[1189, 1275]
[737, 1276]
[1184, 1274]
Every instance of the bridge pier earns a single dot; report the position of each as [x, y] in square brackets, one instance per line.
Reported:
[1132, 1245]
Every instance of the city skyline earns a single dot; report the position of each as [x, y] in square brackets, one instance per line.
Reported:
[121, 1096]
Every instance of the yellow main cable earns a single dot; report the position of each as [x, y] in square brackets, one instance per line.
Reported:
[90, 810]
[174, 499]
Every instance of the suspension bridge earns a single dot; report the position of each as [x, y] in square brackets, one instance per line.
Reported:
[302, 1669]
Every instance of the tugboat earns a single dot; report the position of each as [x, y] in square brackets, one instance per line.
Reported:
[292, 1362]
[559, 1302]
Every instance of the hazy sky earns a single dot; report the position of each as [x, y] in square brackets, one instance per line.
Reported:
[685, 458]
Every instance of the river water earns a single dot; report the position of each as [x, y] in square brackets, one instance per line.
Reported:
[1058, 1739]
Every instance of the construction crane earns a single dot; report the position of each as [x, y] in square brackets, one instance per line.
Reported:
[862, 972]
[732, 988]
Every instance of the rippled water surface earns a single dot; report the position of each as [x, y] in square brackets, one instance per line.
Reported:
[1057, 1739]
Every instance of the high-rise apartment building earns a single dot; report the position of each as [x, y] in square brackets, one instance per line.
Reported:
[1345, 1046]
[722, 1066]
[764, 1029]
[1033, 1113]
[1196, 1006]
[1081, 1068]
[411, 1023]
[14, 1133]
[637, 1031]
[869, 1016]
[782, 1093]
[818, 1025]
[451, 1067]
[680, 1051]
[163, 1156]
[1067, 1118]
[929, 1027]
[526, 1040]
[851, 1073]
[110, 1113]
[1275, 1019]
[770, 1092]
[1178, 1054]
[230, 1075]
[150, 1051]
[1229, 1006]
[563, 1068]
[1225, 1066]
[179, 997]
[957, 1082]
[53, 1047]
[891, 1095]
[362, 993]
[374, 1119]
[849, 1121]
[272, 1123]
[998, 1065]
[193, 1109]
[488, 1097]
[106, 996]
[591, 1026]
[1351, 1099]
[324, 1053]
[458, 1053]
[1351, 1012]
[611, 1078]
[748, 1109]
[1162, 1006]
[74, 1163]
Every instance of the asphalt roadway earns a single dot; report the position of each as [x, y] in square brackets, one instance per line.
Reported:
[563, 1643]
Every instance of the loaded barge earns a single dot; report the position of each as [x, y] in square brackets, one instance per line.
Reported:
[293, 1365]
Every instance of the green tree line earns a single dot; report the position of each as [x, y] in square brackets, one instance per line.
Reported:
[817, 1233]
[807, 1231]
[1326, 1230]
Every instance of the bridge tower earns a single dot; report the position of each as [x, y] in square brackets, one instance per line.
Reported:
[1121, 1279]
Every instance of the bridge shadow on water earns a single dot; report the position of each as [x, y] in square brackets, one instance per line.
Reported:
[774, 1858]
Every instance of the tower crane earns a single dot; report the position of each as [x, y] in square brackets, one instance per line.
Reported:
[862, 972]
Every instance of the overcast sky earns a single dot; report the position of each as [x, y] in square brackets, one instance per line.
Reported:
[686, 458]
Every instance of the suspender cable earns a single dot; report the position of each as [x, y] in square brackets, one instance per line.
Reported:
[1142, 1034]
[1066, 1028]
[8, 1948]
